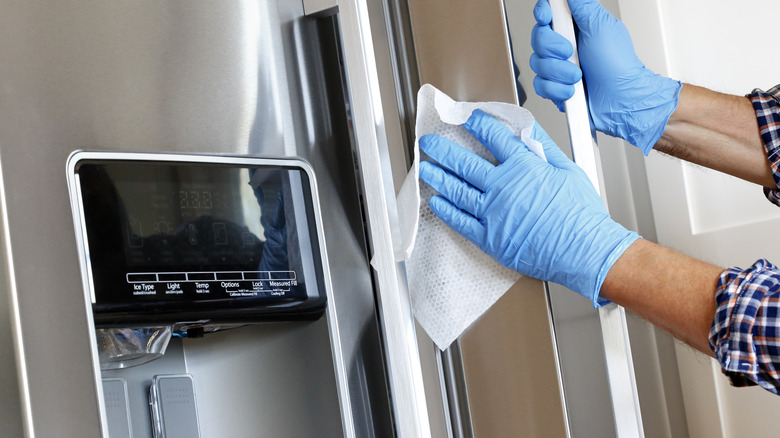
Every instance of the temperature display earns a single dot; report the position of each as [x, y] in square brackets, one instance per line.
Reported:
[195, 200]
[200, 239]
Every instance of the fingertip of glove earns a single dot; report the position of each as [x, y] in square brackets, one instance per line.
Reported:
[476, 115]
[542, 12]
[538, 133]
[557, 92]
[426, 170]
[476, 118]
[428, 141]
[439, 205]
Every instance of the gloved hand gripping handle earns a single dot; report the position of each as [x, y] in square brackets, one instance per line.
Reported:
[583, 139]
[623, 390]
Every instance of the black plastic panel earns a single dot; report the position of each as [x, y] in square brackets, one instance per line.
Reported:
[179, 241]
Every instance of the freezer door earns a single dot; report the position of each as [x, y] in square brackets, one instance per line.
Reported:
[582, 383]
[245, 78]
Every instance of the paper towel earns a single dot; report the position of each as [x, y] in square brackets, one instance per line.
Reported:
[451, 281]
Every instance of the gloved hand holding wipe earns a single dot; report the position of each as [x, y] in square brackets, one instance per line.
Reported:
[626, 99]
[542, 219]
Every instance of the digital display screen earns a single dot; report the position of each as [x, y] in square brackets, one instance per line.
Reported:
[170, 240]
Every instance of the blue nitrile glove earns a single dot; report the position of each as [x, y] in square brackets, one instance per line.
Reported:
[542, 219]
[626, 99]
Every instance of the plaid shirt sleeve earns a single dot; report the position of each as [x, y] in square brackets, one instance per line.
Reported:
[767, 107]
[745, 334]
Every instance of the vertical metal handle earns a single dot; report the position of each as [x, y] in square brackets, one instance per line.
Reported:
[617, 348]
[402, 356]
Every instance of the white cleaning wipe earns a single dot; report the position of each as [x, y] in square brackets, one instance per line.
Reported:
[451, 281]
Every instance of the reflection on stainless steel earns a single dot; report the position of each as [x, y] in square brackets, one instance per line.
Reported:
[10, 406]
[455, 391]
[515, 335]
[401, 353]
[247, 77]
[124, 348]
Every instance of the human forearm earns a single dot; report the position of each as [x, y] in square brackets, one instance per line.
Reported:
[718, 131]
[668, 289]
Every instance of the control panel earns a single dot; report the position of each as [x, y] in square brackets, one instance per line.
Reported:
[167, 238]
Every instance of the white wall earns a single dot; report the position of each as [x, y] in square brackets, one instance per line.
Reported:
[729, 47]
[726, 46]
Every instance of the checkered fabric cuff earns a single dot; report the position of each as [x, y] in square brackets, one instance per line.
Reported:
[745, 332]
[767, 107]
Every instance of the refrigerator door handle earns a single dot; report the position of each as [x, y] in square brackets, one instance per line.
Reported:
[614, 329]
[402, 357]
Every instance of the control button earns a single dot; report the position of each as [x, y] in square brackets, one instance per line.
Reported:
[257, 275]
[200, 276]
[172, 276]
[282, 275]
[229, 276]
[141, 278]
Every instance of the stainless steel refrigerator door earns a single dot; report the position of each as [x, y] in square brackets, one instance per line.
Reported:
[381, 155]
[10, 406]
[466, 53]
[511, 383]
[246, 77]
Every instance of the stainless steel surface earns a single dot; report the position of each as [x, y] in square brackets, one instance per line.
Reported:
[277, 390]
[396, 158]
[456, 392]
[508, 357]
[10, 404]
[243, 77]
[367, 71]
[620, 370]
[318, 6]
[434, 384]
[204, 365]
[404, 63]
[558, 363]
[406, 82]
[463, 52]
[614, 329]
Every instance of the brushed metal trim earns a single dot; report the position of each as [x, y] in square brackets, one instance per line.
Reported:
[311, 7]
[404, 62]
[16, 321]
[402, 355]
[617, 348]
[455, 391]
[80, 228]
[557, 354]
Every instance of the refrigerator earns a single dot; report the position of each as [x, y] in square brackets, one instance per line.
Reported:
[334, 84]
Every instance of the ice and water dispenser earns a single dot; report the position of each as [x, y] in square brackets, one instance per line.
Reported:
[174, 248]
